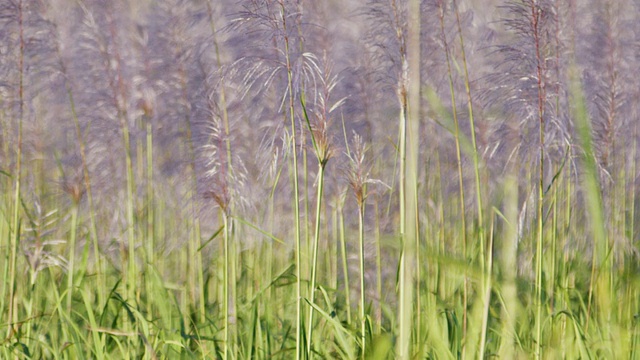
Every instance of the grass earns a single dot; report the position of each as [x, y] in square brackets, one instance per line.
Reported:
[163, 228]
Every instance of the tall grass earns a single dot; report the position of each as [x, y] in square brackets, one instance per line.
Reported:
[17, 175]
[143, 211]
[295, 181]
[323, 150]
[358, 177]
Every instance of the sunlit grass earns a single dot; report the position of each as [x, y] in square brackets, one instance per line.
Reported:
[116, 243]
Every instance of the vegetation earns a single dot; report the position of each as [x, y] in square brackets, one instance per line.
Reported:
[285, 179]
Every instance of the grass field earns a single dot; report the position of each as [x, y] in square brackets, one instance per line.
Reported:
[280, 179]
